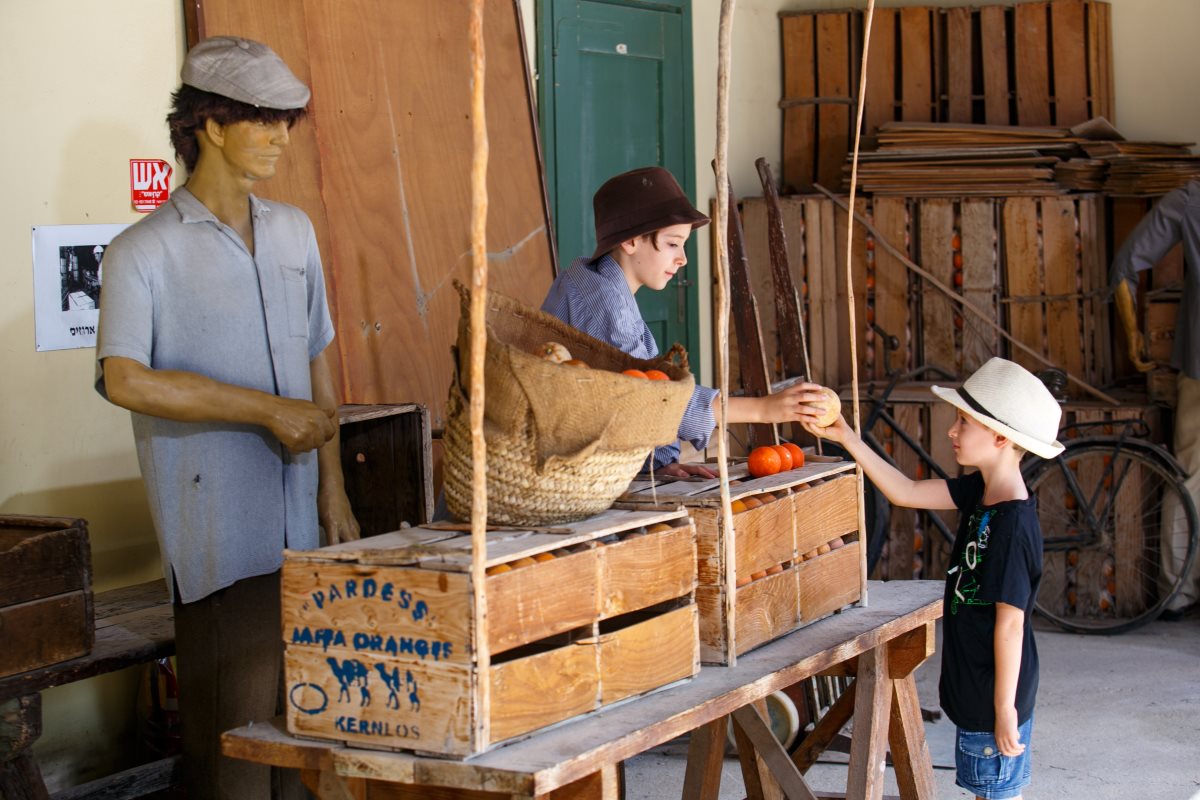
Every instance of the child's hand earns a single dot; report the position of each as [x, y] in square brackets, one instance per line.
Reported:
[677, 470]
[838, 431]
[1007, 738]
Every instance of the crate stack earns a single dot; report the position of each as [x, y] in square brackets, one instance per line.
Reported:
[378, 633]
[791, 554]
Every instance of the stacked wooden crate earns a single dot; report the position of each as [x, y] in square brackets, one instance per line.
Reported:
[1037, 266]
[379, 633]
[790, 556]
[386, 453]
[1037, 63]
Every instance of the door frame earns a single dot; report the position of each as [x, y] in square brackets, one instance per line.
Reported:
[544, 14]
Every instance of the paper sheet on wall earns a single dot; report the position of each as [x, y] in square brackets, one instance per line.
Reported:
[67, 272]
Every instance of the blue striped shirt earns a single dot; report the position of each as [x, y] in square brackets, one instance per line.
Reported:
[595, 298]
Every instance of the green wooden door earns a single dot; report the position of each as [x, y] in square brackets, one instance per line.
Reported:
[616, 93]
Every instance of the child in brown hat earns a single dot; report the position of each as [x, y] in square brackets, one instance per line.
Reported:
[643, 221]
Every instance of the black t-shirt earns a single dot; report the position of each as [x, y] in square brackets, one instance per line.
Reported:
[997, 557]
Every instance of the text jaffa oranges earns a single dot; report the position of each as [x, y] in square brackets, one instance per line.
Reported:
[763, 461]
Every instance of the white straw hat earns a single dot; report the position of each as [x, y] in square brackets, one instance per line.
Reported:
[1010, 400]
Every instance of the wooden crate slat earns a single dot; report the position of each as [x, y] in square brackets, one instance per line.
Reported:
[904, 527]
[916, 69]
[827, 582]
[936, 220]
[832, 297]
[880, 104]
[858, 269]
[650, 654]
[978, 235]
[959, 58]
[817, 277]
[1031, 64]
[766, 609]
[1108, 109]
[833, 81]
[936, 552]
[891, 278]
[1069, 59]
[1022, 269]
[799, 81]
[1063, 323]
[529, 693]
[994, 44]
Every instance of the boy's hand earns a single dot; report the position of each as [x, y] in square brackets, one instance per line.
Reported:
[1007, 738]
[838, 432]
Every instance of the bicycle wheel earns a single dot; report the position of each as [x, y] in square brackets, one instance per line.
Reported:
[1101, 508]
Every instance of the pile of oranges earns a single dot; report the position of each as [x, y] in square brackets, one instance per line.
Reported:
[770, 459]
[559, 354]
[550, 555]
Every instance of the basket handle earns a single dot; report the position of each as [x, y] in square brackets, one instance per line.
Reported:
[678, 355]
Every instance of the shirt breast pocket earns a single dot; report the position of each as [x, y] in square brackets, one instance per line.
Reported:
[295, 294]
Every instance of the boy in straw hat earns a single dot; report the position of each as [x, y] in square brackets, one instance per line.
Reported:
[989, 664]
[213, 333]
[643, 220]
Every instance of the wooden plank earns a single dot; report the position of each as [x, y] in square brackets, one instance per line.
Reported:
[765, 609]
[749, 721]
[830, 581]
[1108, 110]
[880, 102]
[994, 43]
[832, 296]
[871, 714]
[649, 654]
[906, 736]
[1064, 334]
[41, 557]
[1031, 64]
[817, 269]
[645, 570]
[706, 752]
[916, 65]
[1023, 276]
[799, 121]
[46, 631]
[936, 220]
[891, 280]
[979, 273]
[904, 521]
[833, 80]
[959, 58]
[787, 350]
[146, 779]
[936, 550]
[825, 730]
[542, 599]
[754, 215]
[1097, 330]
[765, 537]
[1068, 61]
[530, 693]
[825, 511]
[602, 785]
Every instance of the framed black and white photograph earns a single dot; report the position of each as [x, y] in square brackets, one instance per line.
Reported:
[68, 270]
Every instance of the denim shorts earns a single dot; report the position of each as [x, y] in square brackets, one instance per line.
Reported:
[987, 773]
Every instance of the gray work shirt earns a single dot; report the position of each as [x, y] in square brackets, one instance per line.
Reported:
[182, 292]
[1174, 219]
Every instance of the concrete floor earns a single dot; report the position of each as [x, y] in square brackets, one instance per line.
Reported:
[1117, 717]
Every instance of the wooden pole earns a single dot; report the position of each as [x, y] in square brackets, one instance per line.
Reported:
[862, 93]
[478, 330]
[962, 301]
[724, 48]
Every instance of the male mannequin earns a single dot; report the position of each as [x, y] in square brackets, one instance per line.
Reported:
[214, 333]
[1174, 219]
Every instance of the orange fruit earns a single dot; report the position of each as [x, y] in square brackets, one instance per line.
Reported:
[737, 506]
[499, 568]
[523, 562]
[657, 375]
[797, 454]
[741, 582]
[575, 362]
[751, 502]
[635, 373]
[767, 497]
[659, 527]
[785, 457]
[763, 461]
[544, 557]
[774, 569]
[756, 575]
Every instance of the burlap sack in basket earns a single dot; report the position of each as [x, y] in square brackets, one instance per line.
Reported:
[563, 442]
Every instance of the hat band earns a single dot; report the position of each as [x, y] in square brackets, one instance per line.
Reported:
[978, 407]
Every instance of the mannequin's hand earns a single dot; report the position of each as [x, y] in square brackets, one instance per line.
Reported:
[333, 510]
[301, 425]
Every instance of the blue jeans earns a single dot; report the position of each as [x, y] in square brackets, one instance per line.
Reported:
[983, 770]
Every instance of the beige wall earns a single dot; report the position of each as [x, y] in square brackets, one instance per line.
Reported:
[86, 87]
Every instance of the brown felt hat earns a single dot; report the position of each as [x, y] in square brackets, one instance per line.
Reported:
[640, 201]
[243, 70]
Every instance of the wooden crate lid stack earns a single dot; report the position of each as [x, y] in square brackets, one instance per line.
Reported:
[379, 634]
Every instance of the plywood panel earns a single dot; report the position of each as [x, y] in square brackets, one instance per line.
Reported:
[383, 165]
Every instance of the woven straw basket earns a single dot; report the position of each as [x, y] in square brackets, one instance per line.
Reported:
[563, 442]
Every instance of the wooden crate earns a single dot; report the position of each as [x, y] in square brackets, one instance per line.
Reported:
[378, 634]
[1035, 265]
[387, 465]
[46, 611]
[992, 64]
[762, 577]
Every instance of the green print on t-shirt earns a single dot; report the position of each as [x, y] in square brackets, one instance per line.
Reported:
[966, 585]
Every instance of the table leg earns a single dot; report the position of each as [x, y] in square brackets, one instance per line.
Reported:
[20, 726]
[783, 777]
[706, 751]
[328, 785]
[868, 748]
[910, 751]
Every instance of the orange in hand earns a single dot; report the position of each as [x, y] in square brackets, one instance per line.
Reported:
[797, 454]
[763, 461]
[657, 375]
[785, 457]
[634, 373]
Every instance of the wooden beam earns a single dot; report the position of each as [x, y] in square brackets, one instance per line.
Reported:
[706, 751]
[906, 736]
[782, 769]
[868, 748]
[825, 731]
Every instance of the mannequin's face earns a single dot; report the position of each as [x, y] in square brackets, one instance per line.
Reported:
[250, 149]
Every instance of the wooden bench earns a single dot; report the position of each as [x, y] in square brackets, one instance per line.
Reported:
[882, 644]
[134, 625]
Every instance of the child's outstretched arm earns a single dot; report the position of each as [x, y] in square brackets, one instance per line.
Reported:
[899, 489]
[1010, 625]
[783, 406]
